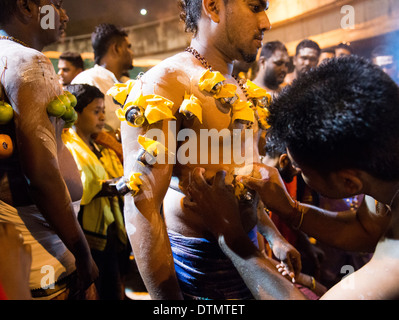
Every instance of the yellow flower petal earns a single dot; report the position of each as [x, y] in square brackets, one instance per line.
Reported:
[191, 106]
[120, 91]
[151, 146]
[239, 189]
[259, 95]
[158, 108]
[134, 183]
[242, 111]
[155, 114]
[255, 91]
[228, 90]
[120, 114]
[209, 79]
[263, 114]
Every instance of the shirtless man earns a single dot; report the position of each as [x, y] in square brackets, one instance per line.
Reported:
[220, 37]
[40, 186]
[273, 67]
[339, 123]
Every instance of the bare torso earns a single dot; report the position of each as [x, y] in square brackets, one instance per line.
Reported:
[182, 76]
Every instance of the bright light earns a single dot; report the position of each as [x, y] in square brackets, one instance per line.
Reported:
[143, 12]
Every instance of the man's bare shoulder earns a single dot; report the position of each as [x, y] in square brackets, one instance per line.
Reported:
[174, 72]
[23, 64]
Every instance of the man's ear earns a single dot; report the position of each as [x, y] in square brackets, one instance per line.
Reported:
[114, 48]
[212, 9]
[283, 160]
[26, 9]
[349, 180]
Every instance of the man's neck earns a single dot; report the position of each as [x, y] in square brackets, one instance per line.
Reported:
[113, 67]
[23, 36]
[214, 57]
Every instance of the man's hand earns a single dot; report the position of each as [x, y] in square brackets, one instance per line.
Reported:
[290, 259]
[266, 181]
[216, 203]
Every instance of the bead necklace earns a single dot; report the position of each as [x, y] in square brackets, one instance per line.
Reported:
[206, 65]
[14, 39]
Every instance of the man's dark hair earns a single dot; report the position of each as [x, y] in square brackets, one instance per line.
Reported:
[103, 36]
[327, 50]
[274, 148]
[74, 58]
[307, 43]
[344, 114]
[190, 13]
[7, 10]
[346, 46]
[85, 94]
[269, 48]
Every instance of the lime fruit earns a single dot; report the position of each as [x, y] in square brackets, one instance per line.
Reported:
[56, 108]
[71, 98]
[65, 100]
[6, 112]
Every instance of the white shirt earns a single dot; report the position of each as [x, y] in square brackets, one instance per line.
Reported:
[103, 79]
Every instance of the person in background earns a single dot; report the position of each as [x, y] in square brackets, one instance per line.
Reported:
[343, 49]
[326, 54]
[273, 67]
[70, 64]
[100, 213]
[306, 58]
[113, 56]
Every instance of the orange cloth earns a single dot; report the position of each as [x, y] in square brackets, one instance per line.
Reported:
[285, 230]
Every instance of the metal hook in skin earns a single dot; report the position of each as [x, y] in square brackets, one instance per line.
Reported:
[146, 158]
[135, 116]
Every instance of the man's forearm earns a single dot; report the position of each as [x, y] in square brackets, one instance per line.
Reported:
[342, 230]
[259, 274]
[152, 251]
[57, 209]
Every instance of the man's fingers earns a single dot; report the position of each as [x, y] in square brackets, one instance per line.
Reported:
[198, 181]
[250, 182]
[190, 204]
[219, 179]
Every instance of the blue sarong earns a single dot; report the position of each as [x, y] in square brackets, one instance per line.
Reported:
[203, 270]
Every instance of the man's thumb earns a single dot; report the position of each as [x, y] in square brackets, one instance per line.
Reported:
[249, 182]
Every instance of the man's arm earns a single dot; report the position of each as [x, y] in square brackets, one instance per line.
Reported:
[219, 209]
[358, 231]
[37, 147]
[144, 223]
[281, 248]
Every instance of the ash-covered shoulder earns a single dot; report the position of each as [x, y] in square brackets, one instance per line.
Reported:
[21, 64]
[172, 76]
[28, 69]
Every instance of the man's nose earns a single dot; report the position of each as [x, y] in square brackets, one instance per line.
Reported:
[265, 22]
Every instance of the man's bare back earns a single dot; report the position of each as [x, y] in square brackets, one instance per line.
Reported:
[38, 76]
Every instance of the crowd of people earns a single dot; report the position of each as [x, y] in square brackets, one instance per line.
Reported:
[80, 194]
